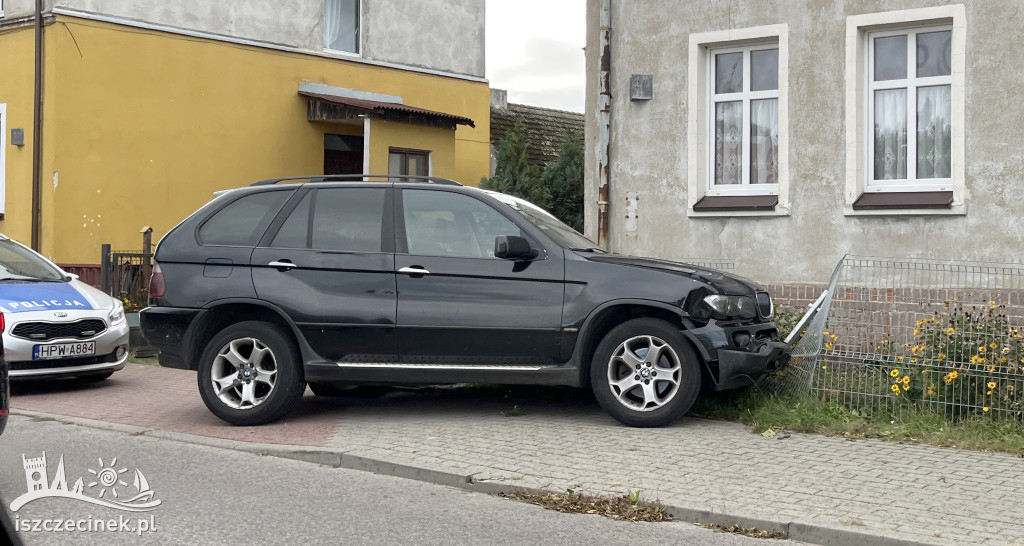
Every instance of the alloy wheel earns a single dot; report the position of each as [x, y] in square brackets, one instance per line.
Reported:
[644, 373]
[244, 373]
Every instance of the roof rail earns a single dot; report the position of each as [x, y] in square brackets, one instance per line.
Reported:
[318, 178]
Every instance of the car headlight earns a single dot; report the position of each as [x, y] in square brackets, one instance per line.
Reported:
[116, 314]
[732, 306]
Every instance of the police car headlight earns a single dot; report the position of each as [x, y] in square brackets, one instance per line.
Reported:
[116, 315]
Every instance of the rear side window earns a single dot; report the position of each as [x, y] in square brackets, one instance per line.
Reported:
[243, 222]
[348, 219]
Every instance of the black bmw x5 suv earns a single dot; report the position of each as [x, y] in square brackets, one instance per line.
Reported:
[378, 280]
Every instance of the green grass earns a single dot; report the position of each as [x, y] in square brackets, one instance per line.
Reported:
[764, 411]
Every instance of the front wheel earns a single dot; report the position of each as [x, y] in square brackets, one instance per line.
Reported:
[250, 374]
[645, 374]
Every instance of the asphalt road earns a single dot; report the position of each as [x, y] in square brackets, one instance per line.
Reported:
[217, 496]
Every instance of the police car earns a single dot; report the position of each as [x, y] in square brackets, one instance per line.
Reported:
[53, 324]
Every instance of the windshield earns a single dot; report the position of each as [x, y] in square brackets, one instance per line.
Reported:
[18, 263]
[565, 236]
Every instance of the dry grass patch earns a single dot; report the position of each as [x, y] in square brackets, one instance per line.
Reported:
[625, 508]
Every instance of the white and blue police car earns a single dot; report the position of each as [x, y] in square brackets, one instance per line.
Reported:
[55, 325]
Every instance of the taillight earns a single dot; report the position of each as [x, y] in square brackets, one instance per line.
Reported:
[2, 324]
[156, 282]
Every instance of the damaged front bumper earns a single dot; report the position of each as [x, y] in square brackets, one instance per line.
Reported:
[740, 356]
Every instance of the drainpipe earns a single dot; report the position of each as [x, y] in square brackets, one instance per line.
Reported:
[604, 112]
[37, 130]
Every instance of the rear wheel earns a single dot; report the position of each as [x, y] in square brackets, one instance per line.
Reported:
[645, 374]
[250, 374]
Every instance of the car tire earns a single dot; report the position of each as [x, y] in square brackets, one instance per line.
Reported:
[250, 374]
[639, 391]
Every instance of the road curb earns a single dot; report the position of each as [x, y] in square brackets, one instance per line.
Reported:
[792, 530]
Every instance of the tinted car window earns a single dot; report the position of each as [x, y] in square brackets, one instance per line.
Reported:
[452, 224]
[294, 233]
[348, 219]
[242, 222]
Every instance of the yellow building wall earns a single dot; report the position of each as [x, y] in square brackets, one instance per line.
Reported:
[142, 127]
[16, 91]
[440, 142]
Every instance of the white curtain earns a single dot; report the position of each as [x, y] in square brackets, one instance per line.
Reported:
[934, 109]
[764, 141]
[728, 141]
[341, 25]
[891, 134]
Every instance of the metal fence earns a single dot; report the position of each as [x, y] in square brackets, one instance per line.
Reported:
[125, 275]
[916, 334]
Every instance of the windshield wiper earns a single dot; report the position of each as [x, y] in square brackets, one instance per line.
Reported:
[590, 249]
[28, 279]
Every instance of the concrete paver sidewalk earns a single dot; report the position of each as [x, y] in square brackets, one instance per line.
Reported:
[818, 489]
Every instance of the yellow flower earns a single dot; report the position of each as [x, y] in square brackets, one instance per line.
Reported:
[993, 345]
[895, 373]
[932, 389]
[1009, 387]
[1006, 350]
[985, 409]
[905, 379]
[950, 331]
[981, 349]
[941, 356]
[824, 367]
[906, 387]
[829, 346]
[954, 374]
[991, 384]
[916, 331]
[895, 388]
[991, 302]
[899, 359]
[912, 360]
[989, 392]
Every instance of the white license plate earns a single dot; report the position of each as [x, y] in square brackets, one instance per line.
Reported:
[64, 350]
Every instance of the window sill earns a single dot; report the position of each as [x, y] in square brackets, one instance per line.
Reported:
[738, 205]
[905, 204]
[904, 200]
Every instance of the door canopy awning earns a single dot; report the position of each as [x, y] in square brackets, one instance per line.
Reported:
[333, 104]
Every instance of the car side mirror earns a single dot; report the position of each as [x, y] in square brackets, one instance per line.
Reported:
[513, 247]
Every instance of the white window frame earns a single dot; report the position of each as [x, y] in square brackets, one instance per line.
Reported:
[911, 84]
[359, 44]
[860, 87]
[700, 117]
[745, 97]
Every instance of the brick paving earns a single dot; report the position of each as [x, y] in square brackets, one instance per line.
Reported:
[558, 438]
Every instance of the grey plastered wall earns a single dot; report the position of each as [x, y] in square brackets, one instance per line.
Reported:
[649, 141]
[444, 35]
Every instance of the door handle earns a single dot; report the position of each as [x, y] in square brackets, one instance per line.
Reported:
[414, 270]
[282, 265]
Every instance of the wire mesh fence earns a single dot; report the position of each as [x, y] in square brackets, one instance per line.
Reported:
[934, 335]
